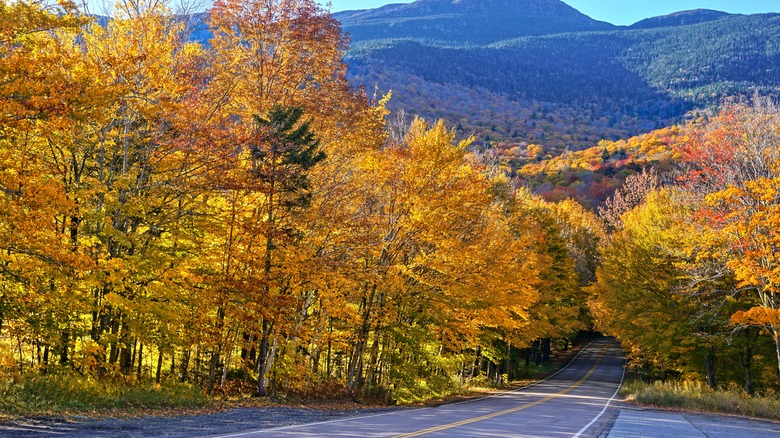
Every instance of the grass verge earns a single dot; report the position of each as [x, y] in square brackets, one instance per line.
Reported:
[68, 394]
[698, 397]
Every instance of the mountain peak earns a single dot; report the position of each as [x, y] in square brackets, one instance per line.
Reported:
[467, 21]
[682, 18]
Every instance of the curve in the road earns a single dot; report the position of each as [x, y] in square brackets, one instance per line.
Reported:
[507, 411]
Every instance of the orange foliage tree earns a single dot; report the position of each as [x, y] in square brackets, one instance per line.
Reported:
[734, 165]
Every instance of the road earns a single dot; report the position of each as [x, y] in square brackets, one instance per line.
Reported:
[569, 404]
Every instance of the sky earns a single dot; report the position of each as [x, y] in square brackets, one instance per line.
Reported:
[620, 12]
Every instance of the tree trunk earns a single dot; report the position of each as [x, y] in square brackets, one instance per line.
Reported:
[159, 366]
[355, 371]
[248, 350]
[140, 360]
[536, 351]
[747, 359]
[65, 340]
[709, 368]
[373, 362]
[135, 352]
[113, 355]
[267, 364]
[508, 362]
[776, 332]
[214, 362]
[213, 365]
[185, 364]
[328, 359]
[125, 353]
[475, 367]
[546, 350]
[225, 368]
[260, 366]
[198, 370]
[21, 354]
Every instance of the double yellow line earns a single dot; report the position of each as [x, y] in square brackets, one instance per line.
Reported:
[506, 411]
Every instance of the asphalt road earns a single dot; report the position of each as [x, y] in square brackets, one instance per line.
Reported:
[569, 404]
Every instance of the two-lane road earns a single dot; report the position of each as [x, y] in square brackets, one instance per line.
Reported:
[565, 405]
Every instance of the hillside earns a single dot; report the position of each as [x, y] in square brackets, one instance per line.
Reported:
[564, 91]
[591, 175]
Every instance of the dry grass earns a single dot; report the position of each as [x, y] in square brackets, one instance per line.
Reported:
[698, 397]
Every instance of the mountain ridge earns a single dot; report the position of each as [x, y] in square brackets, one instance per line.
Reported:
[681, 18]
[466, 21]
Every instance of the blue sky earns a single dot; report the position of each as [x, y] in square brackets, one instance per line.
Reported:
[617, 11]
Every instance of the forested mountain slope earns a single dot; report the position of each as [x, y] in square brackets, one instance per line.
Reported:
[563, 90]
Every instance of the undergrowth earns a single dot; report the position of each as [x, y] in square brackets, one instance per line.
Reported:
[56, 394]
[67, 393]
[698, 397]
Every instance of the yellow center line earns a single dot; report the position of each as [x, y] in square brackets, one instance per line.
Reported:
[507, 411]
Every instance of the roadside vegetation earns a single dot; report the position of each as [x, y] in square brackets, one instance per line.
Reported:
[688, 277]
[65, 394]
[62, 393]
[699, 397]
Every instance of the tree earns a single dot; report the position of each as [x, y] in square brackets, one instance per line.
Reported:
[629, 196]
[285, 52]
[559, 310]
[734, 165]
[583, 232]
[641, 293]
[282, 152]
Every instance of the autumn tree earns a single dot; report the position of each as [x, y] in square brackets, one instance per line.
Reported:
[637, 295]
[583, 232]
[630, 195]
[283, 150]
[42, 95]
[733, 165]
[266, 56]
[559, 310]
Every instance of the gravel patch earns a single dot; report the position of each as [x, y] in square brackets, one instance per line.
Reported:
[232, 421]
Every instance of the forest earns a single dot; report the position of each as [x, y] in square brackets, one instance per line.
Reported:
[236, 217]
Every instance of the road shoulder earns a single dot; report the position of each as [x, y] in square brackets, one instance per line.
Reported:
[634, 421]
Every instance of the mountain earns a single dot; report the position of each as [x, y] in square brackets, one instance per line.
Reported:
[467, 21]
[563, 91]
[682, 18]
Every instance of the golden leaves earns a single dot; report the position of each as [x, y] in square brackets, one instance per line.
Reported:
[133, 205]
[760, 316]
